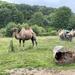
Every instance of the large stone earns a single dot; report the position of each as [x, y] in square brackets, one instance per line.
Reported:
[62, 56]
[57, 49]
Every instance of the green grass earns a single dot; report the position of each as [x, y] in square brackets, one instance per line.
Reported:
[32, 57]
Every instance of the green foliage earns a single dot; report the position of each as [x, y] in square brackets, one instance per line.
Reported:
[25, 25]
[71, 24]
[60, 18]
[46, 10]
[9, 28]
[2, 32]
[38, 29]
[4, 16]
[26, 10]
[12, 25]
[49, 29]
[29, 57]
[53, 32]
[20, 13]
[42, 16]
[9, 13]
[17, 17]
[37, 18]
[11, 46]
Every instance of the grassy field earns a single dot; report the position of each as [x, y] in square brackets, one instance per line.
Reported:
[28, 56]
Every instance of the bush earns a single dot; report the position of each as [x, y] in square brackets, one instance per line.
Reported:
[38, 29]
[49, 29]
[52, 33]
[9, 28]
[13, 25]
[25, 25]
[2, 32]
[41, 31]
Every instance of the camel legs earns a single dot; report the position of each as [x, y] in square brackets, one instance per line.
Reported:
[23, 42]
[20, 42]
[34, 41]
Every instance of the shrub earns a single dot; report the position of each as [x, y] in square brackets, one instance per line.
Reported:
[25, 25]
[2, 32]
[49, 29]
[9, 28]
[53, 32]
[13, 25]
[38, 29]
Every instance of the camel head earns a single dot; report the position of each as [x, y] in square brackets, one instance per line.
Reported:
[15, 32]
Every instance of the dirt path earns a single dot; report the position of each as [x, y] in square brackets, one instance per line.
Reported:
[24, 71]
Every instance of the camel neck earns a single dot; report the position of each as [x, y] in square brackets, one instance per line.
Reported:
[17, 36]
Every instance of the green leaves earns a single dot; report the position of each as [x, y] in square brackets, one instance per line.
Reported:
[43, 16]
[60, 18]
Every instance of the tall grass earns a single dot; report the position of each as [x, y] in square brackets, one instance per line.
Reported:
[28, 56]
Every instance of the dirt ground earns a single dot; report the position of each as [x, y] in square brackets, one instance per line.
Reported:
[23, 71]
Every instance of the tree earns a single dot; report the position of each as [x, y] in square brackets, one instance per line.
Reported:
[71, 24]
[46, 10]
[9, 13]
[61, 17]
[9, 28]
[39, 15]
[39, 19]
[26, 10]
[4, 16]
[38, 29]
[17, 17]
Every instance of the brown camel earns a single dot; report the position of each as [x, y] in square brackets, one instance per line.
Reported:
[72, 33]
[65, 35]
[25, 34]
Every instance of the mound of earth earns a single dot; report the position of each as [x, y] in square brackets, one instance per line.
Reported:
[23, 71]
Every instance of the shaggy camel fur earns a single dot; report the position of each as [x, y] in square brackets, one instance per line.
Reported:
[71, 33]
[64, 35]
[25, 34]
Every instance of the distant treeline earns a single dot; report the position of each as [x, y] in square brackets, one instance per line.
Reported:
[44, 17]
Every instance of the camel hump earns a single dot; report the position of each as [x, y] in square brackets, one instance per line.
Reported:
[22, 32]
[23, 29]
[30, 30]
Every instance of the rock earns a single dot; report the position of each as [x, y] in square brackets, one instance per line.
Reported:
[57, 49]
[63, 56]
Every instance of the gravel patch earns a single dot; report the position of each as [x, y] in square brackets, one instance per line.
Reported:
[23, 71]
